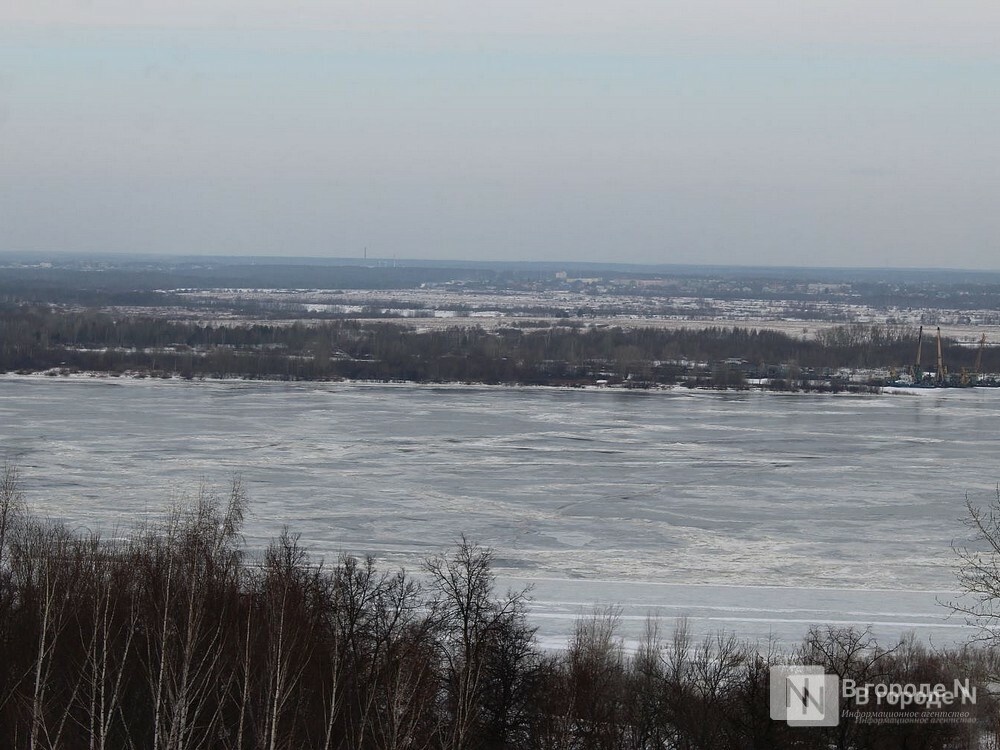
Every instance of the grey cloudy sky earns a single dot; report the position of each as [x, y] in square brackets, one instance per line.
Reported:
[713, 131]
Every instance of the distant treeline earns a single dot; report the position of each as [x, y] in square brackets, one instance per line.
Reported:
[174, 637]
[124, 285]
[135, 281]
[35, 338]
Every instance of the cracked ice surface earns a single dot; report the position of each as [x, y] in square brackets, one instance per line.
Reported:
[751, 511]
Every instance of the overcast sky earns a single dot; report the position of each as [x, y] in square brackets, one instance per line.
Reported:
[805, 132]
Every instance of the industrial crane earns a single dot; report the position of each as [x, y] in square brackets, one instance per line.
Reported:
[942, 379]
[979, 355]
[941, 374]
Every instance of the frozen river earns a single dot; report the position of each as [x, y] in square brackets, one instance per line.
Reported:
[754, 512]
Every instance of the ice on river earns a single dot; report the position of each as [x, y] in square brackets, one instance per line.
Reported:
[755, 512]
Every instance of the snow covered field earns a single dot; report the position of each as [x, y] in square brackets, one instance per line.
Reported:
[755, 512]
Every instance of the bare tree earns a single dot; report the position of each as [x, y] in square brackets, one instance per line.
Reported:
[596, 670]
[404, 663]
[468, 616]
[286, 592]
[11, 508]
[113, 624]
[979, 570]
[851, 653]
[46, 568]
[192, 577]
